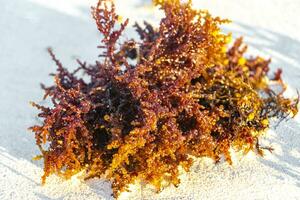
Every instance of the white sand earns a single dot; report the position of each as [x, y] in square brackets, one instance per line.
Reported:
[27, 27]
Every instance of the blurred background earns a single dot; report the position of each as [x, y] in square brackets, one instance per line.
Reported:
[28, 27]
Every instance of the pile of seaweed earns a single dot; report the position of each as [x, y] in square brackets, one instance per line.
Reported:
[147, 106]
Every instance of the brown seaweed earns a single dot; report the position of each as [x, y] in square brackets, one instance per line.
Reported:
[188, 94]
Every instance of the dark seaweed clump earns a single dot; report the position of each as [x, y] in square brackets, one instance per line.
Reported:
[187, 95]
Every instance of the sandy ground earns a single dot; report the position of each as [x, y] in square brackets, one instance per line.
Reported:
[27, 27]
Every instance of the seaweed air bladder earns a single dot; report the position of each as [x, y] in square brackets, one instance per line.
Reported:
[189, 95]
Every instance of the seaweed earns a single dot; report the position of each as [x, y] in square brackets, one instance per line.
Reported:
[188, 95]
